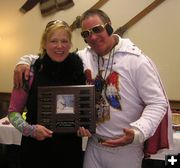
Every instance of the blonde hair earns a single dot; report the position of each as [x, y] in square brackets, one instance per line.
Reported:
[51, 27]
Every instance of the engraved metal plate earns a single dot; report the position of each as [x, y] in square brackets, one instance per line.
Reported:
[64, 108]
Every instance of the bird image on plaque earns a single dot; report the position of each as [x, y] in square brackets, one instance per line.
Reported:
[65, 104]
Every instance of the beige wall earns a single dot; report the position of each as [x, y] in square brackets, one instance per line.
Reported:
[157, 34]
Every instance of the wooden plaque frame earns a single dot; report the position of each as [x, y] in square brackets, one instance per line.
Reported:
[64, 108]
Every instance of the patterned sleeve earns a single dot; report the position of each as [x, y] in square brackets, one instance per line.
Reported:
[17, 104]
[18, 100]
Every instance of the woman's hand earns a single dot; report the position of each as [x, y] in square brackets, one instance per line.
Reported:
[42, 133]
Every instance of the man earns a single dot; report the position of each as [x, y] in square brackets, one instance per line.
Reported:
[131, 103]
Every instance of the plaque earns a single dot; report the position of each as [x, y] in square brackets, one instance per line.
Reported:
[63, 109]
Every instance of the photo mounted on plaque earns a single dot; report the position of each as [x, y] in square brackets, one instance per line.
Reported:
[64, 108]
[65, 104]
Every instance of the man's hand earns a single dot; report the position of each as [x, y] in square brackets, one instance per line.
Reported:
[123, 140]
[82, 132]
[20, 71]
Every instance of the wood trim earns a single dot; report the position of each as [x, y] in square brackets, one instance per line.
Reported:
[4, 103]
[175, 105]
[5, 98]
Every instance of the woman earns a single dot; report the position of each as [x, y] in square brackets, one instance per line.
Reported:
[56, 66]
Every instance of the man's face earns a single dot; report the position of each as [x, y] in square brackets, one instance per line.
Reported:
[99, 41]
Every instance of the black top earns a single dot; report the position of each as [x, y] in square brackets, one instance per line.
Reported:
[50, 73]
[62, 150]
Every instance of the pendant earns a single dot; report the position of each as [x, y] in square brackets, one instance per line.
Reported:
[103, 110]
[102, 107]
[99, 84]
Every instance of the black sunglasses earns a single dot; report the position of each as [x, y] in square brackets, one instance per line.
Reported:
[96, 29]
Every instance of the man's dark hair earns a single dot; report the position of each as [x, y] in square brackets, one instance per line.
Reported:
[91, 12]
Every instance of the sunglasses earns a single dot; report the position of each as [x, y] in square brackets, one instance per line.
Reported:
[54, 22]
[96, 29]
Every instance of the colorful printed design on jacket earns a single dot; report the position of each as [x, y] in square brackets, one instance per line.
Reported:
[111, 90]
[106, 94]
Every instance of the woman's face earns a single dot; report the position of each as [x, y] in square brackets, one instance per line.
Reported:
[58, 45]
